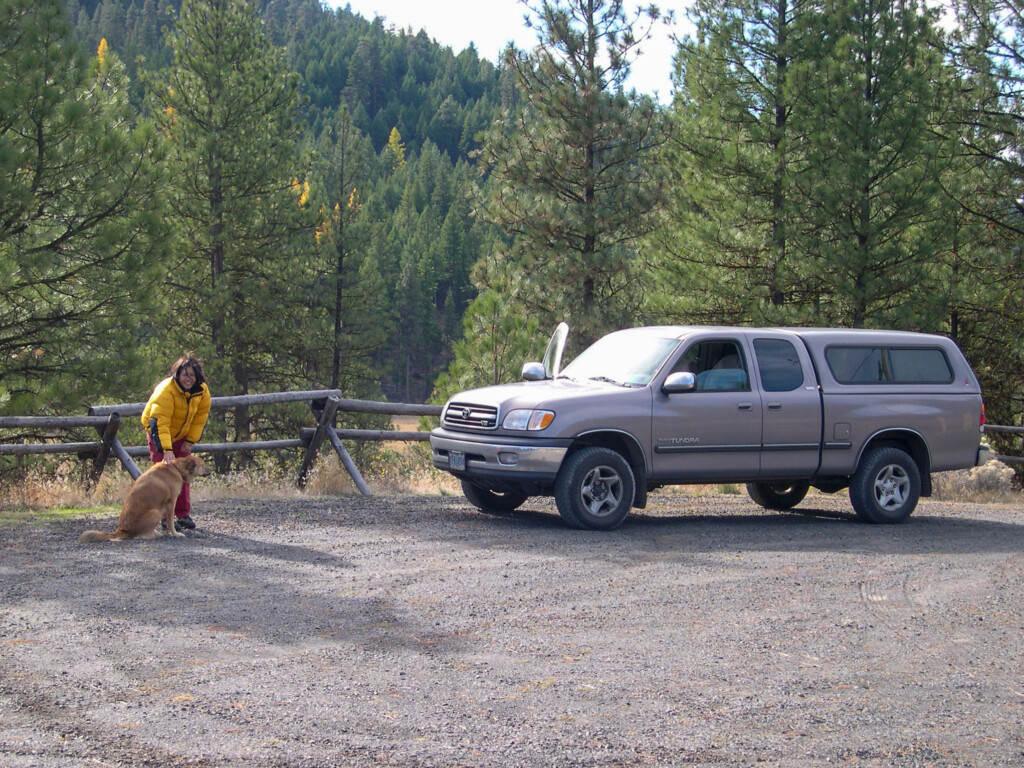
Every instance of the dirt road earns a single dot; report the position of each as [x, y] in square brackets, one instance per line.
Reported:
[414, 631]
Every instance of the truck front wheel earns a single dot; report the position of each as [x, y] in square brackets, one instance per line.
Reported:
[594, 489]
[490, 501]
[886, 486]
[780, 496]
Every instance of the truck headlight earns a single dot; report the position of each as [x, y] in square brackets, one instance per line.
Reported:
[528, 420]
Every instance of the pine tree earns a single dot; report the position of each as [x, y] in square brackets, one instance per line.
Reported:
[871, 178]
[808, 165]
[395, 150]
[81, 236]
[728, 252]
[346, 283]
[228, 105]
[364, 84]
[572, 164]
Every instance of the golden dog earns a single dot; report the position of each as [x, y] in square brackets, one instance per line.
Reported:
[151, 498]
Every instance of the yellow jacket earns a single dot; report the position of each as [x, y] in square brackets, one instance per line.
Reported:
[173, 414]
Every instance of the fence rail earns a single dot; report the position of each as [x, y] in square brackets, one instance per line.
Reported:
[324, 404]
[1009, 431]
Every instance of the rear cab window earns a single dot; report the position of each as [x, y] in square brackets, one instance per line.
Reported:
[853, 364]
[779, 365]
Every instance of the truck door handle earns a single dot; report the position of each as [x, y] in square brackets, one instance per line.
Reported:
[774, 406]
[745, 406]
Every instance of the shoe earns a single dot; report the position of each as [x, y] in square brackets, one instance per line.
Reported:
[180, 524]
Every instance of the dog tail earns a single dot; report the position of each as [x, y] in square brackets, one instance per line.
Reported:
[90, 537]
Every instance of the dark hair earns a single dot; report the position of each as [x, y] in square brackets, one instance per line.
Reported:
[189, 360]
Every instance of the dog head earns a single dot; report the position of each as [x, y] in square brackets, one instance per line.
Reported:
[191, 466]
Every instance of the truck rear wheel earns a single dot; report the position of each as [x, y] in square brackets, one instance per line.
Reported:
[780, 496]
[886, 486]
[490, 501]
[594, 489]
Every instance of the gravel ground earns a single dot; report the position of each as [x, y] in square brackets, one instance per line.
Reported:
[414, 631]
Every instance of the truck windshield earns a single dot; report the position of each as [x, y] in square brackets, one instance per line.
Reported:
[626, 359]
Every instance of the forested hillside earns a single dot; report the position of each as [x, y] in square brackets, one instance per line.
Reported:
[307, 198]
[389, 78]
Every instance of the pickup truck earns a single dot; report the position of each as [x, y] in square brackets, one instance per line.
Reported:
[779, 409]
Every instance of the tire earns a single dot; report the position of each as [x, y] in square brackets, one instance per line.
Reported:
[780, 496]
[594, 489]
[886, 486]
[490, 501]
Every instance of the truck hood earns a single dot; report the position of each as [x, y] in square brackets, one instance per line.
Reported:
[578, 405]
[536, 394]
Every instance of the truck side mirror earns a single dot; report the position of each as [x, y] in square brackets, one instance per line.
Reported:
[681, 381]
[533, 372]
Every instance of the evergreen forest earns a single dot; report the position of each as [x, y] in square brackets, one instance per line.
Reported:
[307, 198]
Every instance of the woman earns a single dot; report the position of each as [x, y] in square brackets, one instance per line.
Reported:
[174, 419]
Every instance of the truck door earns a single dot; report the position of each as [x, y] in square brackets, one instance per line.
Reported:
[791, 434]
[714, 431]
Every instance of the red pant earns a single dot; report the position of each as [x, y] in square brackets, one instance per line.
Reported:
[183, 506]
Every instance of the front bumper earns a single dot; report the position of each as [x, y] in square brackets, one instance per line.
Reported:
[498, 457]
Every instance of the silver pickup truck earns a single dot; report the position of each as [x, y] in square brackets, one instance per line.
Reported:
[782, 410]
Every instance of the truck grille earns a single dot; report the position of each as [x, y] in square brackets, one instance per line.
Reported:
[470, 416]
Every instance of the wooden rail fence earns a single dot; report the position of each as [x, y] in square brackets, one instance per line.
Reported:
[325, 404]
[1010, 431]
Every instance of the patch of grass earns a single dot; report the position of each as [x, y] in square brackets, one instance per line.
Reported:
[396, 469]
[20, 514]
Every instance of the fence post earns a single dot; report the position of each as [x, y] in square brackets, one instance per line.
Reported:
[347, 461]
[326, 418]
[126, 460]
[107, 437]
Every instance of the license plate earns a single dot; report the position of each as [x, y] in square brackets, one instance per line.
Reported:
[456, 460]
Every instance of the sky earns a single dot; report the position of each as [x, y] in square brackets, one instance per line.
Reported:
[491, 24]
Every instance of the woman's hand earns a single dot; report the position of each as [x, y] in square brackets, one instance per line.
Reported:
[168, 458]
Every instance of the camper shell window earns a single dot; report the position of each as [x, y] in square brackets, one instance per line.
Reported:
[889, 365]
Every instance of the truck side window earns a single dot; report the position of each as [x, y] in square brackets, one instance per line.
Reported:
[858, 365]
[920, 366]
[779, 364]
[718, 366]
[889, 365]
